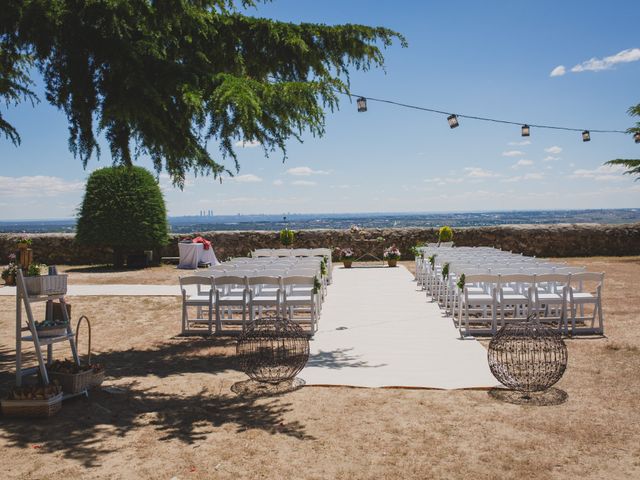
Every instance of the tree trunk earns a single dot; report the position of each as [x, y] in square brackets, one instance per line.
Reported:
[118, 257]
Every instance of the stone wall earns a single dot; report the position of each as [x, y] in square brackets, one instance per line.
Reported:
[561, 240]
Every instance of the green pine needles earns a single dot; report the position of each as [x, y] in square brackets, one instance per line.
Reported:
[162, 79]
[123, 209]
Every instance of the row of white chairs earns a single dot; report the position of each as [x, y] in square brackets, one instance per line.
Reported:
[558, 299]
[512, 289]
[232, 293]
[325, 253]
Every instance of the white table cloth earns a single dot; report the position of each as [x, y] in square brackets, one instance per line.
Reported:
[193, 254]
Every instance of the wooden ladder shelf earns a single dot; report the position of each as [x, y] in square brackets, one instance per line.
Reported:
[29, 334]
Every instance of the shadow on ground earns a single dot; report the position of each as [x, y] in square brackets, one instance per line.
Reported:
[101, 269]
[547, 398]
[339, 358]
[81, 430]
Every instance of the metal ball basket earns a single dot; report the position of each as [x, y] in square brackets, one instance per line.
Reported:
[527, 356]
[272, 350]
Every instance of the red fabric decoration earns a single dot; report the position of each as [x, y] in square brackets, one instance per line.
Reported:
[206, 243]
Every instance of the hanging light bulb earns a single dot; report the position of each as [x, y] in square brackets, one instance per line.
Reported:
[362, 104]
[586, 136]
[453, 121]
[636, 137]
[526, 131]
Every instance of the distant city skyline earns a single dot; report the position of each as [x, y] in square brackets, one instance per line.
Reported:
[540, 63]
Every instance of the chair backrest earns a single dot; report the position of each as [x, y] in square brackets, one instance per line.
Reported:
[580, 278]
[298, 280]
[552, 278]
[230, 280]
[481, 278]
[264, 280]
[516, 278]
[199, 280]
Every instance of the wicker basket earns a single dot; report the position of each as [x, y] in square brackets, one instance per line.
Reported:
[32, 408]
[54, 331]
[73, 383]
[98, 373]
[46, 285]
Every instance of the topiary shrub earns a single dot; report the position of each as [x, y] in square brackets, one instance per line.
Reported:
[445, 234]
[123, 208]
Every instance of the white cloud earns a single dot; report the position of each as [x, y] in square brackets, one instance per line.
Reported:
[38, 186]
[251, 144]
[512, 153]
[533, 176]
[305, 172]
[522, 163]
[527, 176]
[520, 144]
[303, 183]
[558, 71]
[476, 172]
[444, 180]
[550, 158]
[247, 178]
[554, 150]
[607, 63]
[278, 182]
[603, 173]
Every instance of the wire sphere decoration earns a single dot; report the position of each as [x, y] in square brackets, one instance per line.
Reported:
[527, 356]
[272, 350]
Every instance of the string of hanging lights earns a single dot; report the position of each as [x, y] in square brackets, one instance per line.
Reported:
[452, 119]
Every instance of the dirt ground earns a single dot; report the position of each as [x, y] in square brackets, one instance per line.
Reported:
[166, 410]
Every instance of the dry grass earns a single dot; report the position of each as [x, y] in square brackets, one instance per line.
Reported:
[173, 414]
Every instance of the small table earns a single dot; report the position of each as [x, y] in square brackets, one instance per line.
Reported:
[193, 254]
[371, 250]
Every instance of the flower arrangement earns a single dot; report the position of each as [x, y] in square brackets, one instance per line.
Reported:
[24, 241]
[317, 285]
[432, 261]
[345, 253]
[445, 271]
[323, 267]
[415, 250]
[35, 269]
[11, 270]
[392, 253]
[287, 236]
[445, 234]
[460, 282]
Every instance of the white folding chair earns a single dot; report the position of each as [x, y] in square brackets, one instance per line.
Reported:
[231, 301]
[548, 296]
[300, 296]
[473, 306]
[579, 298]
[264, 294]
[513, 296]
[202, 299]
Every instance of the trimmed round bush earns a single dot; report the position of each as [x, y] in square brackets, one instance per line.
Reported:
[123, 208]
[445, 234]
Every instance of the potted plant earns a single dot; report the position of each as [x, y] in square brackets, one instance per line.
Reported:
[346, 255]
[24, 243]
[11, 270]
[445, 234]
[38, 284]
[392, 255]
[287, 236]
[33, 401]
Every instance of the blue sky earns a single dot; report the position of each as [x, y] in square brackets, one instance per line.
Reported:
[480, 58]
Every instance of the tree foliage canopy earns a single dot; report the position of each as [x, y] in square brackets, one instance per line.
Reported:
[633, 166]
[163, 77]
[123, 208]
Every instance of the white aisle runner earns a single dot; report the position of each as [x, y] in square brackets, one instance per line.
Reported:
[378, 330]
